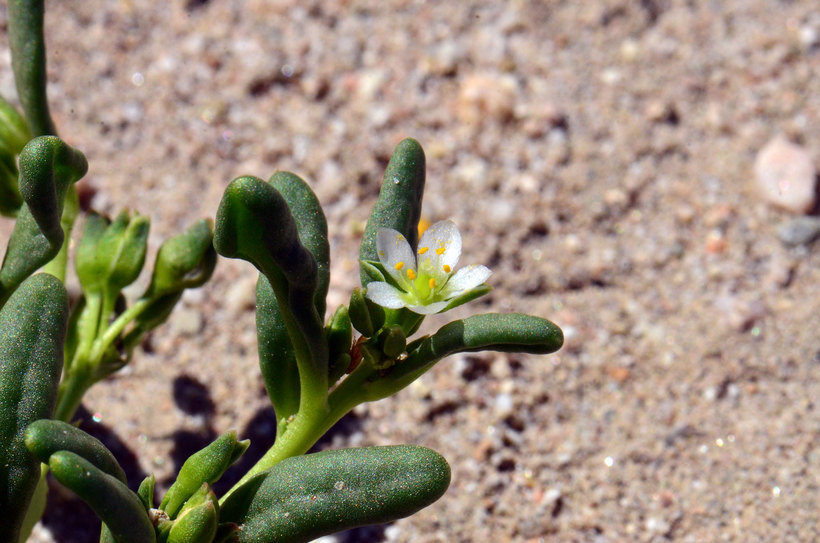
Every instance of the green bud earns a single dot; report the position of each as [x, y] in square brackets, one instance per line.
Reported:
[146, 491]
[10, 198]
[202, 495]
[14, 132]
[392, 341]
[366, 316]
[112, 254]
[205, 466]
[339, 334]
[196, 525]
[184, 261]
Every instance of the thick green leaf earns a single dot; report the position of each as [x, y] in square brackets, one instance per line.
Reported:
[254, 223]
[311, 225]
[509, 332]
[28, 60]
[32, 330]
[45, 437]
[277, 359]
[305, 497]
[48, 167]
[120, 509]
[399, 203]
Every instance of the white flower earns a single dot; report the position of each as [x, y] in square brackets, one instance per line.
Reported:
[427, 281]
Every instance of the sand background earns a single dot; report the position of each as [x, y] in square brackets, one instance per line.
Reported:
[598, 156]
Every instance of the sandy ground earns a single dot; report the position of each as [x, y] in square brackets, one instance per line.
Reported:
[598, 156]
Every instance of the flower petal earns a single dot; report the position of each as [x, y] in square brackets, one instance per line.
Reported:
[428, 309]
[385, 294]
[396, 255]
[440, 249]
[465, 279]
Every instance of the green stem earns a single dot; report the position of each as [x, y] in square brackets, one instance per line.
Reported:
[70, 394]
[113, 331]
[303, 432]
[311, 358]
[28, 60]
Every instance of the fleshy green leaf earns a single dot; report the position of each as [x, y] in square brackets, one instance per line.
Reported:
[28, 60]
[399, 203]
[277, 359]
[45, 437]
[32, 330]
[305, 497]
[47, 169]
[119, 508]
[254, 223]
[508, 332]
[311, 225]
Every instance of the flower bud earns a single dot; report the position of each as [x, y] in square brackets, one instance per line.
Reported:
[184, 261]
[14, 132]
[366, 316]
[112, 253]
[392, 341]
[205, 466]
[339, 334]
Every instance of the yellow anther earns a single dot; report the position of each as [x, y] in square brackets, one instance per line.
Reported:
[423, 250]
[411, 274]
[432, 283]
[446, 268]
[399, 265]
[440, 251]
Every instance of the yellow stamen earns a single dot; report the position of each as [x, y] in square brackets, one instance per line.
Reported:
[399, 265]
[423, 250]
[432, 283]
[440, 251]
[446, 268]
[411, 274]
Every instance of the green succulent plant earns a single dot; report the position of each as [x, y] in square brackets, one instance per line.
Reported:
[315, 370]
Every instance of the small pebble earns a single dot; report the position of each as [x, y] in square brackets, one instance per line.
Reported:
[785, 175]
[799, 231]
[486, 95]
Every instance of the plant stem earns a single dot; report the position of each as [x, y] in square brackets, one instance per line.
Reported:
[28, 60]
[71, 392]
[303, 432]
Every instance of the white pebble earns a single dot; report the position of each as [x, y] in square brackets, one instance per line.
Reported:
[785, 175]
